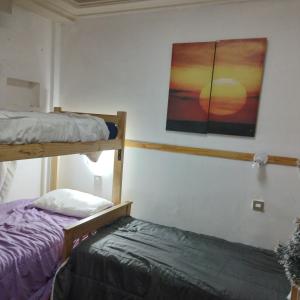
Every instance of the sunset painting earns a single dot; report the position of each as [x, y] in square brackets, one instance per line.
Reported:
[215, 86]
[191, 72]
[235, 90]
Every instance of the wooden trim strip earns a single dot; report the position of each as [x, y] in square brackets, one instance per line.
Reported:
[244, 156]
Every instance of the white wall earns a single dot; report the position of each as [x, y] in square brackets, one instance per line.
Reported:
[25, 43]
[122, 62]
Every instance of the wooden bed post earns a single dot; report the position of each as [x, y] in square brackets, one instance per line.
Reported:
[53, 172]
[119, 160]
[54, 163]
[295, 293]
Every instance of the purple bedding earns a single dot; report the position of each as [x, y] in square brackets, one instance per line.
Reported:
[31, 243]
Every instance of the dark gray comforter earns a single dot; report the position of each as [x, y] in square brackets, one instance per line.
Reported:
[132, 259]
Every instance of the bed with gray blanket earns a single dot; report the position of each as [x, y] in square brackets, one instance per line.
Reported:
[133, 259]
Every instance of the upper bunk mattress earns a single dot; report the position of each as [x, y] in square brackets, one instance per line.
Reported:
[31, 242]
[35, 127]
[133, 260]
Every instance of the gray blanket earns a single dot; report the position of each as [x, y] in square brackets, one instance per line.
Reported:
[132, 259]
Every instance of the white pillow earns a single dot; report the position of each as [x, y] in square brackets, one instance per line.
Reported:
[72, 203]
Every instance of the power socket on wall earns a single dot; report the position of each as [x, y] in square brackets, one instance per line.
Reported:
[97, 185]
[258, 205]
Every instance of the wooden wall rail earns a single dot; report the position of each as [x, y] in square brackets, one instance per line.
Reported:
[273, 159]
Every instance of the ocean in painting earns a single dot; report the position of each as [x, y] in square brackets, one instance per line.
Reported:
[185, 112]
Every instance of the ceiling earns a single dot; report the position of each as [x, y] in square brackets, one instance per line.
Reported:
[98, 2]
[6, 6]
[70, 10]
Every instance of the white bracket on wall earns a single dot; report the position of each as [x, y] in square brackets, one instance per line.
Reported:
[21, 95]
[260, 160]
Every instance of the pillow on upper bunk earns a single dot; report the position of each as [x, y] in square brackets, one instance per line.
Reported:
[72, 203]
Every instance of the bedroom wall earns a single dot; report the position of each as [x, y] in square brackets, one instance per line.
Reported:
[25, 40]
[122, 62]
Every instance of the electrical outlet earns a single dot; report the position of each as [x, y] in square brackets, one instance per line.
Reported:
[97, 185]
[258, 205]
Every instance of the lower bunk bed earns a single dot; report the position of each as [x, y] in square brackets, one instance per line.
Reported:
[133, 259]
[32, 240]
[31, 244]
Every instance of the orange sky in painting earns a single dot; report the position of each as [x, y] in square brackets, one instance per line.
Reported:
[191, 70]
[249, 52]
[192, 65]
[241, 62]
[193, 54]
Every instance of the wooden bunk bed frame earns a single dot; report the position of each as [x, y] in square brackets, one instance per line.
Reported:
[28, 151]
[85, 226]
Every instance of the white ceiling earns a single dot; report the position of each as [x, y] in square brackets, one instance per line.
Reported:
[6, 5]
[100, 2]
[70, 10]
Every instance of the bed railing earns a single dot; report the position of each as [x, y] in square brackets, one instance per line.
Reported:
[10, 152]
[88, 225]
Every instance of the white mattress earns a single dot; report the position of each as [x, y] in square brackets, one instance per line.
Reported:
[34, 127]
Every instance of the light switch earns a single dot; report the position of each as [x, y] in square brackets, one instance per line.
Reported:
[258, 205]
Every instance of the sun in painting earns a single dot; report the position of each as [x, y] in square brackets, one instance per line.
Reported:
[228, 95]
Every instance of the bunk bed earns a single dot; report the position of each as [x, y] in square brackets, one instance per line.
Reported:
[32, 240]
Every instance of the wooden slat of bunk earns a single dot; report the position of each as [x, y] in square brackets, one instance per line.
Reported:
[92, 223]
[28, 151]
